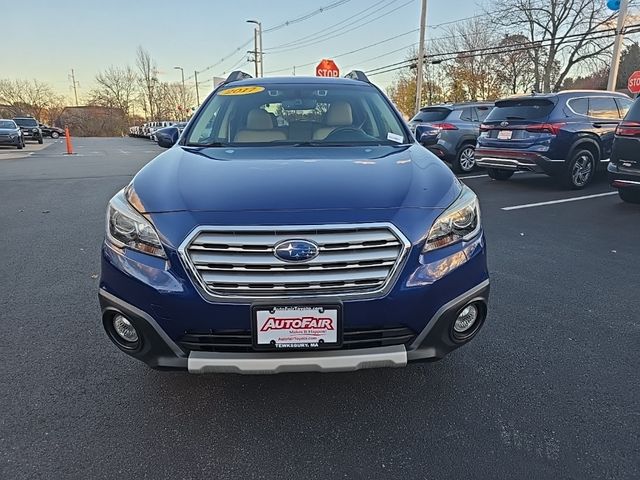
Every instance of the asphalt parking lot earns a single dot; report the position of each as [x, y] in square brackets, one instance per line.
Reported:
[548, 390]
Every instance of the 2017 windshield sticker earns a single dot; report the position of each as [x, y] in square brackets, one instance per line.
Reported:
[242, 90]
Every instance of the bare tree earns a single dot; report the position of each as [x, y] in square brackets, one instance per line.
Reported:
[116, 87]
[517, 72]
[148, 81]
[567, 29]
[474, 72]
[172, 101]
[24, 97]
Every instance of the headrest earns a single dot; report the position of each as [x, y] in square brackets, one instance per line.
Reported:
[259, 119]
[339, 114]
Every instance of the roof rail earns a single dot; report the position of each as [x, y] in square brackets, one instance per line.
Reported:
[357, 75]
[236, 76]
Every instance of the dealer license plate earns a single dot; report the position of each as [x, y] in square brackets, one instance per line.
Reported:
[301, 327]
[505, 135]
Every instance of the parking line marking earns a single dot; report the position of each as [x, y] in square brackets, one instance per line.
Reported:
[553, 202]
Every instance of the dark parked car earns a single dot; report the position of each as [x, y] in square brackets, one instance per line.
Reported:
[10, 134]
[53, 132]
[566, 135]
[459, 125]
[624, 168]
[30, 128]
[328, 240]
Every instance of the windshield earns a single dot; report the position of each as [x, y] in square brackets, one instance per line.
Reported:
[521, 109]
[7, 124]
[282, 114]
[26, 122]
[431, 115]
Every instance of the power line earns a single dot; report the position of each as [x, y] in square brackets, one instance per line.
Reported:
[335, 34]
[325, 30]
[307, 16]
[277, 27]
[493, 50]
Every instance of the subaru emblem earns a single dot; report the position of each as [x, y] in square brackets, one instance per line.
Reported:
[296, 250]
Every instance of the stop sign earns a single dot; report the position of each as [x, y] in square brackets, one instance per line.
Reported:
[634, 82]
[327, 68]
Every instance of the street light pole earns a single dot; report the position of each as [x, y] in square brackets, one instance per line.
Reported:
[419, 66]
[195, 76]
[184, 90]
[257, 40]
[617, 46]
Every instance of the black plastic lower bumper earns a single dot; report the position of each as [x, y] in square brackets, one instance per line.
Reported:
[160, 352]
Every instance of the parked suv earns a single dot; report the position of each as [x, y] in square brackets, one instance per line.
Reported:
[566, 135]
[347, 246]
[624, 168]
[458, 125]
[30, 128]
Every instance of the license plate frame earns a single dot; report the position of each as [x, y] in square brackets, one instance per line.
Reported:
[289, 312]
[505, 134]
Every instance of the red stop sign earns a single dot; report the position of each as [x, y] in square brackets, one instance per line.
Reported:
[634, 82]
[327, 68]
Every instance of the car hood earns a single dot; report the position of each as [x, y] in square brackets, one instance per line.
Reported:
[294, 179]
[7, 131]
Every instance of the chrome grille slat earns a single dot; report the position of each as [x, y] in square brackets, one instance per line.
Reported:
[280, 268]
[206, 258]
[239, 262]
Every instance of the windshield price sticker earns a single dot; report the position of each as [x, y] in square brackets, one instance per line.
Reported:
[242, 90]
[296, 327]
[395, 138]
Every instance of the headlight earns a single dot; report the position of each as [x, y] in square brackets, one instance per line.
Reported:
[126, 227]
[461, 221]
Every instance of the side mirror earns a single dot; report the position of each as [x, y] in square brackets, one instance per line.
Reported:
[429, 138]
[167, 137]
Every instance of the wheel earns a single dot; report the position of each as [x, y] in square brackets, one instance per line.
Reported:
[465, 160]
[54, 135]
[20, 146]
[40, 140]
[498, 174]
[580, 170]
[629, 196]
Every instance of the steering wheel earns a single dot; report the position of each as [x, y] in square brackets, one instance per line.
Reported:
[347, 133]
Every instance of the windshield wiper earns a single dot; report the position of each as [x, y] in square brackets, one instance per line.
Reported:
[514, 117]
[211, 144]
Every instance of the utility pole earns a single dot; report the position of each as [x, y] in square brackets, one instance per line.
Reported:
[617, 46]
[257, 47]
[419, 66]
[75, 85]
[195, 76]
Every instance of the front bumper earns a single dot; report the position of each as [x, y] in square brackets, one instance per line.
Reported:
[11, 141]
[165, 317]
[516, 160]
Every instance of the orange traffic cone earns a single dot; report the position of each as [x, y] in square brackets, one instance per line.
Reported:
[68, 137]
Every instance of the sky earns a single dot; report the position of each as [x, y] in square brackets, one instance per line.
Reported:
[88, 36]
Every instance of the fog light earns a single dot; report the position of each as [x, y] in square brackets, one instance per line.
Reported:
[466, 319]
[125, 329]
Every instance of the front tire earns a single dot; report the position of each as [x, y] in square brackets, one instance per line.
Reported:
[629, 196]
[40, 140]
[20, 146]
[580, 170]
[465, 160]
[55, 135]
[498, 174]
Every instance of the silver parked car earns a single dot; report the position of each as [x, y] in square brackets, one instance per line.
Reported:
[458, 125]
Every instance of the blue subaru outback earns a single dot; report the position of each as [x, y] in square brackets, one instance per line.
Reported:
[567, 135]
[295, 225]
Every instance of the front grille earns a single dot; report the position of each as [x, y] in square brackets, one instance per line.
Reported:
[241, 262]
[238, 341]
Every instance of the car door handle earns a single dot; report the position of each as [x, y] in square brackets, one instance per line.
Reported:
[598, 125]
